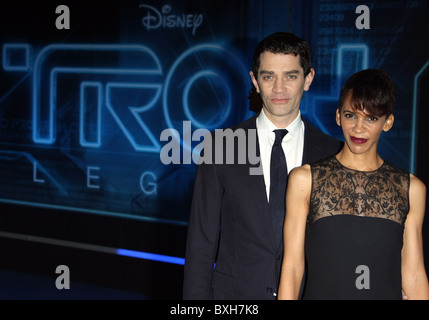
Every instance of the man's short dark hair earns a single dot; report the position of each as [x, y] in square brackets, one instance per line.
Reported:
[285, 43]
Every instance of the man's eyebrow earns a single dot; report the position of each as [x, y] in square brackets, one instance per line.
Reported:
[272, 72]
[266, 72]
[292, 72]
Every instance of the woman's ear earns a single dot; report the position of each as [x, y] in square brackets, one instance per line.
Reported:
[338, 117]
[389, 123]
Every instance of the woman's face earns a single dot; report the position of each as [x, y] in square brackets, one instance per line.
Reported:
[361, 131]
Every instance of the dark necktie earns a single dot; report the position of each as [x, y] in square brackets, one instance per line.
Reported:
[278, 181]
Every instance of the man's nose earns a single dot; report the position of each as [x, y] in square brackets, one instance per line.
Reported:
[279, 86]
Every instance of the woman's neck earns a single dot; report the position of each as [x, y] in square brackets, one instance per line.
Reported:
[368, 161]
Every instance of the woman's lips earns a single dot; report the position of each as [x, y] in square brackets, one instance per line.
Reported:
[358, 140]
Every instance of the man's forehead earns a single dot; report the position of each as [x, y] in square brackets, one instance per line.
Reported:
[268, 53]
[273, 61]
[268, 56]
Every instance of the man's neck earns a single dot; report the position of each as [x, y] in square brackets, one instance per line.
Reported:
[281, 122]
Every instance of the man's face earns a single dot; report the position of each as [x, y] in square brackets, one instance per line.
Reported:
[280, 82]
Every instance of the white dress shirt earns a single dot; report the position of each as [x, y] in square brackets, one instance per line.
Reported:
[292, 144]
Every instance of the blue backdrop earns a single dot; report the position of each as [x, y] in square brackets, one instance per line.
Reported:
[83, 108]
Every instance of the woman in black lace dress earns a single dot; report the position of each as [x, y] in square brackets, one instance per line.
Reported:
[354, 220]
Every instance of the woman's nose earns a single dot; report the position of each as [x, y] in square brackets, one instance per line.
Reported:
[359, 126]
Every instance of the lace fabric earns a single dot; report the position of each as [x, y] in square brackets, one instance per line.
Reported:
[336, 189]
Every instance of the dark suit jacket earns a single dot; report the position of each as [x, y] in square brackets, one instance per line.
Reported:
[230, 226]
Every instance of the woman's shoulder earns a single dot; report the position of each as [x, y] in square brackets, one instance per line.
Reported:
[304, 169]
[300, 174]
[327, 163]
[417, 185]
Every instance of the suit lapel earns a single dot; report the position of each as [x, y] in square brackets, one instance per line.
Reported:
[312, 146]
[256, 187]
[256, 183]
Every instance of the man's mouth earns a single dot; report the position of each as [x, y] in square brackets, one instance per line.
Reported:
[280, 100]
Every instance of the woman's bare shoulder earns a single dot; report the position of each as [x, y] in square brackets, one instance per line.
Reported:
[301, 175]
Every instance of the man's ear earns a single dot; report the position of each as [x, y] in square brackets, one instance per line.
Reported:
[309, 79]
[254, 81]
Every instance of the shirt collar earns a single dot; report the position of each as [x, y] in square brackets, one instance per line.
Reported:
[265, 124]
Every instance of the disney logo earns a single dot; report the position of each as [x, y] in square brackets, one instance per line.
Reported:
[154, 19]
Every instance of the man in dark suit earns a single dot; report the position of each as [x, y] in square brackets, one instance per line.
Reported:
[234, 246]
